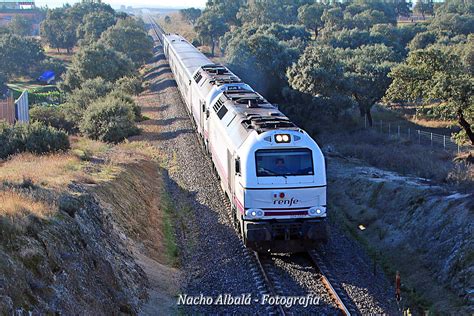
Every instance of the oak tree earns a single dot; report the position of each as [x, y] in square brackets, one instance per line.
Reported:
[437, 73]
[210, 26]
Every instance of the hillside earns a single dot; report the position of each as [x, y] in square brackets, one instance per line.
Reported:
[82, 230]
[411, 225]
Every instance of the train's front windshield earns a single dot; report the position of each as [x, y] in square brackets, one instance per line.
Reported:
[284, 162]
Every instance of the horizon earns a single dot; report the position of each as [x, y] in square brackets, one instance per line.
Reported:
[162, 4]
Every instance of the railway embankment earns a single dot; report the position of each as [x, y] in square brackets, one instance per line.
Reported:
[85, 232]
[410, 225]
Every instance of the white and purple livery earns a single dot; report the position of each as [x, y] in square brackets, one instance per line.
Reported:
[272, 171]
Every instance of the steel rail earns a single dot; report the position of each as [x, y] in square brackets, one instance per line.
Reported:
[270, 285]
[319, 265]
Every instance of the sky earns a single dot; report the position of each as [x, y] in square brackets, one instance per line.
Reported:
[135, 3]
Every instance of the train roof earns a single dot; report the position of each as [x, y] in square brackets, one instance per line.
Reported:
[254, 111]
[245, 112]
[191, 58]
[241, 111]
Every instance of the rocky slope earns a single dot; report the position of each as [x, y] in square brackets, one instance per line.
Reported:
[423, 230]
[96, 247]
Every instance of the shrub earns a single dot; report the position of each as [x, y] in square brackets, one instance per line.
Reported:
[109, 119]
[127, 99]
[73, 114]
[94, 61]
[35, 138]
[422, 40]
[11, 144]
[43, 139]
[52, 116]
[90, 90]
[130, 85]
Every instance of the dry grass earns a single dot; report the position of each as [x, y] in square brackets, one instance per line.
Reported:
[462, 174]
[438, 124]
[403, 157]
[177, 25]
[86, 148]
[52, 171]
[139, 148]
[13, 204]
[20, 214]
[62, 55]
[88, 162]
[406, 116]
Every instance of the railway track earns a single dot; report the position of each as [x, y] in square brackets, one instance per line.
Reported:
[261, 268]
[343, 302]
[276, 287]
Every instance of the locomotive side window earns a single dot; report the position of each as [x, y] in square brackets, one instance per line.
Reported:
[237, 166]
[284, 162]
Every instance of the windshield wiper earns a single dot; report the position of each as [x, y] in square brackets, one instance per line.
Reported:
[272, 173]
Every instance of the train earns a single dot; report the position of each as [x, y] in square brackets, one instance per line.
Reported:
[272, 172]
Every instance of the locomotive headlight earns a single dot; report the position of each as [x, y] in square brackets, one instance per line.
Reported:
[319, 211]
[282, 138]
[254, 213]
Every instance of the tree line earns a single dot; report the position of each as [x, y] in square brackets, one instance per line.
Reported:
[331, 56]
[99, 83]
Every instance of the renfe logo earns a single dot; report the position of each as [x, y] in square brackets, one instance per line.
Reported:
[288, 202]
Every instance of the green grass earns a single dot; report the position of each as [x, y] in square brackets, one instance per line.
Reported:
[169, 240]
[32, 87]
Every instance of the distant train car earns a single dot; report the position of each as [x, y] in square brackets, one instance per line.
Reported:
[272, 171]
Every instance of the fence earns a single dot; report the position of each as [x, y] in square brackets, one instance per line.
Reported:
[15, 110]
[22, 107]
[7, 109]
[419, 136]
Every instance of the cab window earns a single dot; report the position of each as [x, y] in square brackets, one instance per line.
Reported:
[284, 162]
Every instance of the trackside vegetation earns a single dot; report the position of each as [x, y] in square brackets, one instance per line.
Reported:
[100, 79]
[36, 138]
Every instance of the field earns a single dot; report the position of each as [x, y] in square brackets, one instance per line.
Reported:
[177, 25]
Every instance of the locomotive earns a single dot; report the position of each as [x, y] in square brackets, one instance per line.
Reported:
[272, 172]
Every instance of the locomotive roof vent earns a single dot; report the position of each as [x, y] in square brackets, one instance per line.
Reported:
[265, 123]
[216, 70]
[224, 80]
[253, 103]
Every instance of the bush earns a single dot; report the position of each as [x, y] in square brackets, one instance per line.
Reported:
[90, 90]
[43, 139]
[422, 40]
[130, 85]
[73, 114]
[127, 99]
[80, 99]
[52, 116]
[11, 144]
[35, 138]
[109, 119]
[94, 61]
[50, 97]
